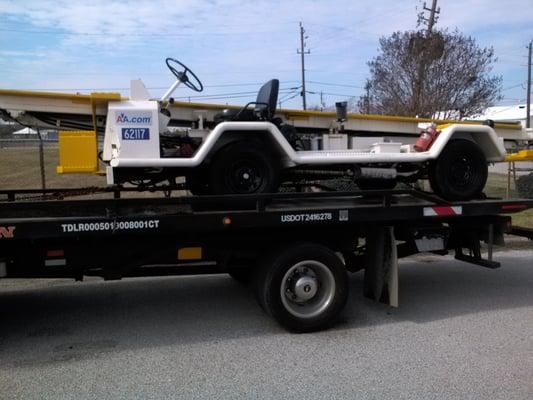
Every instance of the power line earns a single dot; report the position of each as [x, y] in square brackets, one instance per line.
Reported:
[215, 98]
[207, 96]
[238, 84]
[290, 95]
[336, 84]
[351, 33]
[287, 99]
[48, 32]
[512, 87]
[131, 34]
[150, 88]
[334, 94]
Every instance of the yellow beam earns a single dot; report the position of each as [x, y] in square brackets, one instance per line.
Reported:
[69, 96]
[522, 155]
[290, 114]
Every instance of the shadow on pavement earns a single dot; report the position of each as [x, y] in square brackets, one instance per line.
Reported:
[75, 321]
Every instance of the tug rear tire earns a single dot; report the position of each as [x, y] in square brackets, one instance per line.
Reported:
[460, 172]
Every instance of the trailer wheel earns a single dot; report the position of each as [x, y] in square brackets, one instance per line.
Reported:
[304, 287]
[460, 172]
[243, 168]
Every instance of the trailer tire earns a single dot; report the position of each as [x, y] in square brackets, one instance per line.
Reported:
[460, 172]
[243, 168]
[304, 287]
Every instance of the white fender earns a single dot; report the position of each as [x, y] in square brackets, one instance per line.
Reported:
[484, 136]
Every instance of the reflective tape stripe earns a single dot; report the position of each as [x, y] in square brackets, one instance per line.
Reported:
[442, 211]
[55, 262]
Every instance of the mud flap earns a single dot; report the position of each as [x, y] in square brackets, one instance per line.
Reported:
[381, 272]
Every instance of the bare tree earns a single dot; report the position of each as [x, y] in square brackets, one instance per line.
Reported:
[442, 72]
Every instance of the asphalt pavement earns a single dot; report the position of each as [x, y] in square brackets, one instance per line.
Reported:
[461, 332]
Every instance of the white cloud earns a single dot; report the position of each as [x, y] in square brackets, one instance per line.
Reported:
[105, 43]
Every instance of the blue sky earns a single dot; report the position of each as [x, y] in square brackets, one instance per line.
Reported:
[235, 45]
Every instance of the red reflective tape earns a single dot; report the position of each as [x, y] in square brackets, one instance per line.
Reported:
[55, 253]
[444, 211]
[514, 207]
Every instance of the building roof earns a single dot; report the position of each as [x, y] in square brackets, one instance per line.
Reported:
[504, 113]
[25, 131]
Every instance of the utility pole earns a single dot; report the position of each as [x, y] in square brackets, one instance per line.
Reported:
[303, 52]
[433, 16]
[528, 105]
[367, 98]
[421, 76]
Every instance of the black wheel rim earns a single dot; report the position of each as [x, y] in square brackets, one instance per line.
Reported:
[462, 172]
[245, 176]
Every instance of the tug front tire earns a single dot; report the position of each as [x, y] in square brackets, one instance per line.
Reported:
[243, 168]
[460, 172]
[304, 287]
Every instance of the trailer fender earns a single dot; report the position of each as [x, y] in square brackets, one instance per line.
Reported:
[483, 135]
[266, 129]
[258, 137]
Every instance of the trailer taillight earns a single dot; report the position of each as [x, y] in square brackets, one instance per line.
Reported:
[55, 258]
[55, 253]
[513, 207]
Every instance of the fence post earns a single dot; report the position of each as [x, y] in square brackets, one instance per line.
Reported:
[41, 161]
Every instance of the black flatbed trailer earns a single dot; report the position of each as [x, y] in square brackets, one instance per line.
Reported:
[295, 247]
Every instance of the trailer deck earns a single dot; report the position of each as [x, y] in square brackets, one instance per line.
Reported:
[163, 216]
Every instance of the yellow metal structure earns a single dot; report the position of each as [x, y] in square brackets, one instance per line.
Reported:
[60, 101]
[77, 152]
[522, 155]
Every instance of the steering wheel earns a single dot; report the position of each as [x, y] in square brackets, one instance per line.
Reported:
[196, 85]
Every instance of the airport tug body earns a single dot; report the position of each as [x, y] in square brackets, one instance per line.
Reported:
[252, 151]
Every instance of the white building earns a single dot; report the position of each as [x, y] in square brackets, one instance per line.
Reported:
[26, 131]
[32, 133]
[513, 113]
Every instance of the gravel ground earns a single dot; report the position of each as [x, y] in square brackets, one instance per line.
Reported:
[501, 168]
[461, 332]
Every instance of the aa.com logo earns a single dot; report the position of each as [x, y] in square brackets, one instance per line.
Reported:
[7, 232]
[134, 118]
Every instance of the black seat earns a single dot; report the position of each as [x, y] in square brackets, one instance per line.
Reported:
[264, 106]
